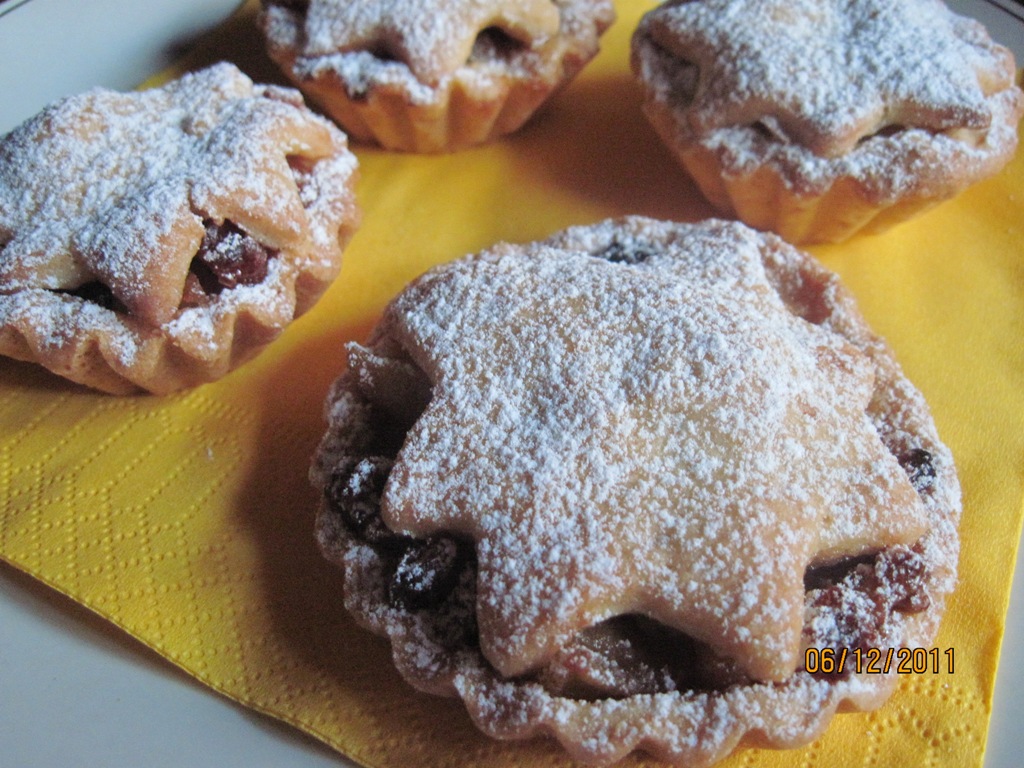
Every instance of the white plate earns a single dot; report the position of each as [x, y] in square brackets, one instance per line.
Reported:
[55, 48]
[75, 691]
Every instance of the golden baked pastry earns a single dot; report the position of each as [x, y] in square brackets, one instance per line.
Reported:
[432, 76]
[155, 240]
[820, 119]
[610, 487]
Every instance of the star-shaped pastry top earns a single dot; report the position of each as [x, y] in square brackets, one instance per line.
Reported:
[115, 186]
[432, 39]
[664, 438]
[826, 73]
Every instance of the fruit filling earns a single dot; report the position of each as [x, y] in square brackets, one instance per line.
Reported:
[623, 251]
[354, 492]
[427, 572]
[227, 258]
[919, 467]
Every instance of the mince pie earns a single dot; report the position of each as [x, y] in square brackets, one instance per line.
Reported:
[609, 487]
[155, 240]
[434, 76]
[821, 118]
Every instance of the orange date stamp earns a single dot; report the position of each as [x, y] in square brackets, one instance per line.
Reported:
[878, 661]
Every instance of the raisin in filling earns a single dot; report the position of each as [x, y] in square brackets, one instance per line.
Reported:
[423, 573]
[353, 493]
[918, 464]
[227, 258]
[427, 572]
[630, 252]
[851, 604]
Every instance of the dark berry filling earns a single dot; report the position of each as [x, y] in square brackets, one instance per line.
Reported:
[904, 571]
[227, 258]
[427, 572]
[856, 599]
[629, 252]
[353, 493]
[919, 467]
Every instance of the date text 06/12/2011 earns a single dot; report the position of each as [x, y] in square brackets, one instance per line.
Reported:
[878, 661]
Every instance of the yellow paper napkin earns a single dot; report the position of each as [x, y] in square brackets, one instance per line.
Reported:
[187, 520]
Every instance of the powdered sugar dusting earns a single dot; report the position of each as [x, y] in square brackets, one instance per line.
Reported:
[102, 185]
[830, 73]
[116, 189]
[422, 50]
[201, 329]
[905, 97]
[678, 427]
[433, 41]
[671, 414]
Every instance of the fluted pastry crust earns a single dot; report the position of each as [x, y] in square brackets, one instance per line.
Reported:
[155, 240]
[423, 77]
[818, 120]
[608, 487]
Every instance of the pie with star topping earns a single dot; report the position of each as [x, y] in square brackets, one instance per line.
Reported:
[426, 76]
[155, 240]
[818, 119]
[609, 487]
